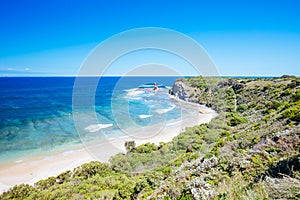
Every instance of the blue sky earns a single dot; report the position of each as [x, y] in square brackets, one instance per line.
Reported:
[242, 37]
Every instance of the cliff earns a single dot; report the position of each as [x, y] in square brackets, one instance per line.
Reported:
[182, 90]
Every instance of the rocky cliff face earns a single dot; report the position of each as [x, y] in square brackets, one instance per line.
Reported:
[183, 90]
[219, 94]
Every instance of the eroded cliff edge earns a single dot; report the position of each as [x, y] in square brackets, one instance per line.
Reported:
[216, 93]
[183, 90]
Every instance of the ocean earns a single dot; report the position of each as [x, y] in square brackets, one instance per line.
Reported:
[37, 113]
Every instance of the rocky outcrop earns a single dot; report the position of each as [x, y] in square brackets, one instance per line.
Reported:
[219, 95]
[234, 84]
[182, 90]
[199, 188]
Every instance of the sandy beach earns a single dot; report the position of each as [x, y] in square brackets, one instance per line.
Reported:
[35, 168]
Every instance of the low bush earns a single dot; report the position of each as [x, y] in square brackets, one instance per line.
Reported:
[235, 119]
[90, 169]
[242, 108]
[293, 113]
[146, 148]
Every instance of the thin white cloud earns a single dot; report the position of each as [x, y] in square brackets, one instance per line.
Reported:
[27, 69]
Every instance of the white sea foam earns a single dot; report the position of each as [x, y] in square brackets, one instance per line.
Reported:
[162, 111]
[133, 93]
[173, 123]
[135, 98]
[66, 153]
[137, 94]
[18, 161]
[124, 136]
[144, 116]
[149, 94]
[96, 127]
[128, 90]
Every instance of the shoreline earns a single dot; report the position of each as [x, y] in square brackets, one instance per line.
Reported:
[35, 168]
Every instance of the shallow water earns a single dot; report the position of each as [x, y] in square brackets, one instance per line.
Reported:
[37, 114]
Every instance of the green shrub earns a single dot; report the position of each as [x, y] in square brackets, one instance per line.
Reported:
[296, 96]
[237, 187]
[46, 183]
[65, 176]
[286, 92]
[272, 149]
[141, 184]
[274, 105]
[126, 190]
[242, 108]
[216, 123]
[254, 140]
[293, 84]
[129, 145]
[267, 111]
[154, 178]
[20, 191]
[251, 105]
[293, 113]
[234, 119]
[146, 148]
[220, 143]
[120, 162]
[211, 136]
[230, 105]
[91, 169]
[266, 118]
[198, 82]
[255, 126]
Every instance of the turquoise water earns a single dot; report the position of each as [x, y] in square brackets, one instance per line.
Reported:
[37, 114]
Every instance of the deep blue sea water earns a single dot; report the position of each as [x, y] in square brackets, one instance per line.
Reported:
[36, 113]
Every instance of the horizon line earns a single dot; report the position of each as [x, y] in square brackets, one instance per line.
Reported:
[225, 76]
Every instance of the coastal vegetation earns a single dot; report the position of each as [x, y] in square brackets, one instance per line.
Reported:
[249, 151]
